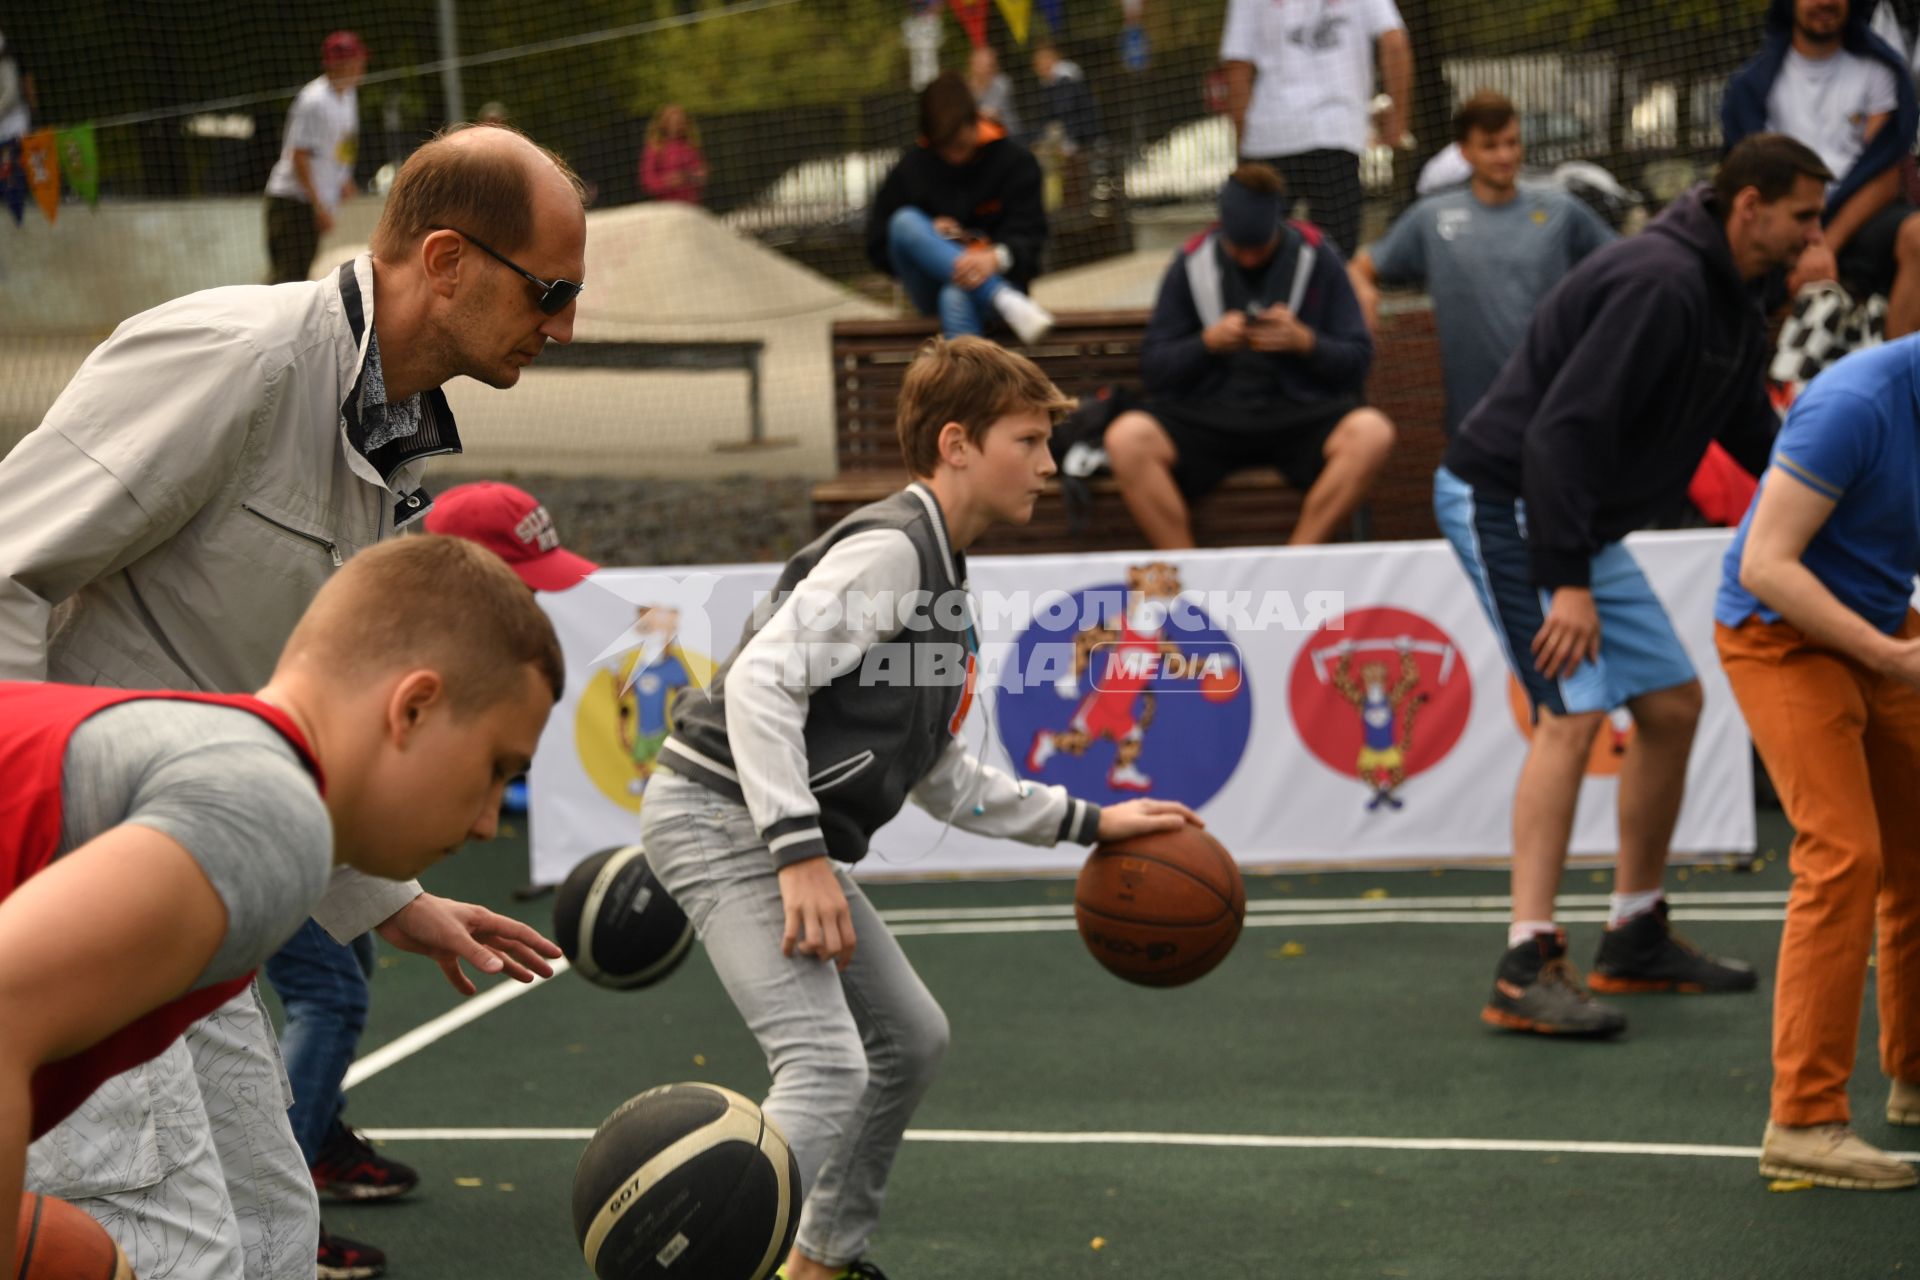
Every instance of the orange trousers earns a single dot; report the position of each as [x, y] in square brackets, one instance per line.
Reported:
[1843, 747]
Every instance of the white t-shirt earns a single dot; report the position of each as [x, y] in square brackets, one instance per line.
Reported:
[1313, 62]
[326, 125]
[1886, 25]
[921, 31]
[14, 117]
[1826, 103]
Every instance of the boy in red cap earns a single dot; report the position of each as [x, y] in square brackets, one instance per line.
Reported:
[512, 524]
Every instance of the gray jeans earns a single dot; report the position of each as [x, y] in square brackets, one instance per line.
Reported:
[851, 1053]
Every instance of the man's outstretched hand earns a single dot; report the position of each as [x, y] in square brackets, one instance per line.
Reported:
[448, 932]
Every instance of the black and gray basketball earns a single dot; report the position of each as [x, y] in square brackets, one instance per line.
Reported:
[617, 925]
[686, 1181]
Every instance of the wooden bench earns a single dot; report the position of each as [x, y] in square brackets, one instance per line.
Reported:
[1089, 349]
[695, 356]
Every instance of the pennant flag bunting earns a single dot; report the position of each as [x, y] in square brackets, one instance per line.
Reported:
[13, 180]
[42, 163]
[80, 161]
[1019, 16]
[973, 19]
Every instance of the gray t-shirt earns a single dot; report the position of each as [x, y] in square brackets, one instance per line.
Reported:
[1485, 266]
[228, 787]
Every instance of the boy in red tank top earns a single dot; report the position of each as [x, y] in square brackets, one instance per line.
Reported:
[135, 891]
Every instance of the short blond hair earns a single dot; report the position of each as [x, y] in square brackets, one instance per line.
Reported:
[442, 603]
[970, 381]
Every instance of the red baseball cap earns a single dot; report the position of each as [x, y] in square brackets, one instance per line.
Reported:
[342, 46]
[513, 525]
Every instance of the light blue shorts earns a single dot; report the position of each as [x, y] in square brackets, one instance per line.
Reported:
[1639, 652]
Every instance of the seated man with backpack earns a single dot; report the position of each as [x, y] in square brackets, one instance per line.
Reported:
[1256, 355]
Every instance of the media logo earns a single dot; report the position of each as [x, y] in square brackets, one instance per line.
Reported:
[1147, 695]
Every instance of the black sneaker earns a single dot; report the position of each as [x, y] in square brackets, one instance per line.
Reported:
[861, 1270]
[1536, 990]
[1645, 955]
[344, 1259]
[350, 1169]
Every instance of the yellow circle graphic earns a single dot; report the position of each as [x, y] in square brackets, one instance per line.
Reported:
[625, 714]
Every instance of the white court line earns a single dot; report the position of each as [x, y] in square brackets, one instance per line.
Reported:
[1304, 915]
[1261, 1141]
[427, 1032]
[1258, 906]
[1304, 920]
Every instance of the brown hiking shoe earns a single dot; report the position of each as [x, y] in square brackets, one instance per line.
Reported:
[1903, 1103]
[1644, 954]
[1536, 990]
[1832, 1155]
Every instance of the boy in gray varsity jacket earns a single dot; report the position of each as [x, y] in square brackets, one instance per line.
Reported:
[843, 701]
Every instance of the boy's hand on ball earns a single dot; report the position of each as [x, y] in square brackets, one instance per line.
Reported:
[1140, 817]
[818, 922]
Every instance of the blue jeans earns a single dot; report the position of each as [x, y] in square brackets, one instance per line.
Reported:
[923, 260]
[323, 986]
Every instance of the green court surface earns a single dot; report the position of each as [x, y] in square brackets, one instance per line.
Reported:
[1326, 1104]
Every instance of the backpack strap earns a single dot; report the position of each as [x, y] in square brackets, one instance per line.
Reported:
[1310, 240]
[1203, 278]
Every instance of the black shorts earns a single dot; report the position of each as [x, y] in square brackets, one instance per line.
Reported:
[1868, 262]
[1329, 181]
[292, 239]
[1212, 441]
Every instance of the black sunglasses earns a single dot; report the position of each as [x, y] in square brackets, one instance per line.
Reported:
[555, 295]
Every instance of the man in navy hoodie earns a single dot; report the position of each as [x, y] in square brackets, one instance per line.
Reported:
[1256, 355]
[1647, 351]
[1824, 79]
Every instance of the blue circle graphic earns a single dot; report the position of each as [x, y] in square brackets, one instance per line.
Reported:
[1190, 743]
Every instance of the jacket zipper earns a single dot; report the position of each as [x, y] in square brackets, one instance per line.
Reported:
[332, 550]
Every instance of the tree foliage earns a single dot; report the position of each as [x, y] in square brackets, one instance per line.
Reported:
[1634, 28]
[102, 58]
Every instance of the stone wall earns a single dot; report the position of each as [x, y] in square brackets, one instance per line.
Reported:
[631, 523]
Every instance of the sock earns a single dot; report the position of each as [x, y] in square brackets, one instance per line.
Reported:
[1524, 930]
[1622, 907]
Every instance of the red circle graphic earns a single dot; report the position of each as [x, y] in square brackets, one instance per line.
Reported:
[1375, 643]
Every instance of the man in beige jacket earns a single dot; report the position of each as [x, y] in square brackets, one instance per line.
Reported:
[207, 469]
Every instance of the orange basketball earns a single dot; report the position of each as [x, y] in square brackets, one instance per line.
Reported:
[57, 1241]
[1160, 910]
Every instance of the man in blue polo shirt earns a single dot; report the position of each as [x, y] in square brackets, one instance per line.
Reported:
[1820, 641]
[1487, 252]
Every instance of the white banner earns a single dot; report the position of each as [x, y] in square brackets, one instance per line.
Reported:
[1327, 704]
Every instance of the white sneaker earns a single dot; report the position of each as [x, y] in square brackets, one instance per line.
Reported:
[1124, 777]
[1831, 1155]
[1042, 751]
[1029, 320]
